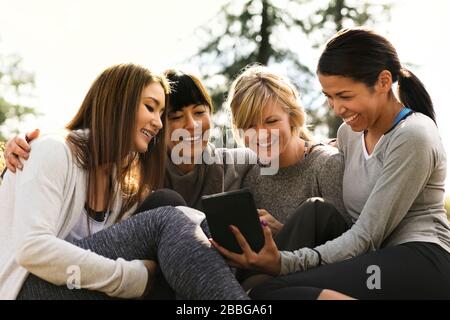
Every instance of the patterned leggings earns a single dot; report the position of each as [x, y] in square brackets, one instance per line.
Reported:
[192, 268]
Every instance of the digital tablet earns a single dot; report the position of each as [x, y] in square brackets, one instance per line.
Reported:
[233, 208]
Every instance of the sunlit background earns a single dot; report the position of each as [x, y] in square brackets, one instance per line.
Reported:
[67, 43]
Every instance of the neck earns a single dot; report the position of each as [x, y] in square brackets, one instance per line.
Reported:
[186, 168]
[386, 118]
[293, 152]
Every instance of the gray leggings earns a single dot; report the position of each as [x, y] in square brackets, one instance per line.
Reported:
[191, 267]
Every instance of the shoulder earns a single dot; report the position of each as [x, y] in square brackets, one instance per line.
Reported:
[50, 157]
[238, 154]
[324, 156]
[53, 146]
[417, 130]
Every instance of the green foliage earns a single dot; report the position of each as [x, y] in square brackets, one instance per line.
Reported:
[255, 31]
[15, 83]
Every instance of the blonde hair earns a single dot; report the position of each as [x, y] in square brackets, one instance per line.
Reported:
[253, 89]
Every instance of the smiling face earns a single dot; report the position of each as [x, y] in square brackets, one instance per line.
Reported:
[358, 105]
[271, 136]
[148, 117]
[190, 127]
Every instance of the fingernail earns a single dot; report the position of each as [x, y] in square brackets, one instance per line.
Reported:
[263, 223]
[20, 167]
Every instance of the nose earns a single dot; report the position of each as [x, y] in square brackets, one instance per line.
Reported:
[261, 133]
[190, 122]
[337, 106]
[157, 123]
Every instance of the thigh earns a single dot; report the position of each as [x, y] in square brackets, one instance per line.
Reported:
[315, 222]
[134, 238]
[409, 271]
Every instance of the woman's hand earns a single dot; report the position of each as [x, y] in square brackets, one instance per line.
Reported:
[273, 223]
[267, 260]
[17, 148]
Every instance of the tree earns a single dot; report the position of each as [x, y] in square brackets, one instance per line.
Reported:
[261, 31]
[15, 84]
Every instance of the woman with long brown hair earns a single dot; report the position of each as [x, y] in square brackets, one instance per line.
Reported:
[68, 219]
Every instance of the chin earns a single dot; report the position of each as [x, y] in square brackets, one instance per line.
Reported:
[357, 129]
[142, 148]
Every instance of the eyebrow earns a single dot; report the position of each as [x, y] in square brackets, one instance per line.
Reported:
[338, 93]
[154, 99]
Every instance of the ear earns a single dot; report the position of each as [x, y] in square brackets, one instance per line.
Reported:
[384, 82]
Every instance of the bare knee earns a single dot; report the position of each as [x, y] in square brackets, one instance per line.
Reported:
[327, 294]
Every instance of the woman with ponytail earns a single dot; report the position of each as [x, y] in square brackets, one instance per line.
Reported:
[393, 187]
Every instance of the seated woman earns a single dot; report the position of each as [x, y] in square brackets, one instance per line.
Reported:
[269, 118]
[395, 167]
[105, 165]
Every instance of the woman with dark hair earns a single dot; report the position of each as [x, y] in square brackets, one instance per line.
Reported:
[69, 218]
[393, 187]
[195, 167]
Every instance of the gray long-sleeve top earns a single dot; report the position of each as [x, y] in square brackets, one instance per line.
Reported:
[318, 175]
[221, 170]
[395, 195]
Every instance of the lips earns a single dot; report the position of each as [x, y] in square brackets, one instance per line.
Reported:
[264, 144]
[350, 119]
[191, 139]
[148, 134]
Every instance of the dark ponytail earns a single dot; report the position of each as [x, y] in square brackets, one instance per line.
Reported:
[413, 94]
[362, 54]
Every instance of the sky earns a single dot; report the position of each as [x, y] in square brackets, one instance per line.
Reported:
[67, 43]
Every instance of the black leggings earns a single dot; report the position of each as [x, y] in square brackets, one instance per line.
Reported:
[414, 270]
[314, 222]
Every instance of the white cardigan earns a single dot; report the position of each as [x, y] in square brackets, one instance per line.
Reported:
[39, 206]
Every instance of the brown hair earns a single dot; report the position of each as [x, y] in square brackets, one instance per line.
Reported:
[109, 113]
[362, 54]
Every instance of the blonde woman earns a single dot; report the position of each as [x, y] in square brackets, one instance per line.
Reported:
[110, 159]
[268, 117]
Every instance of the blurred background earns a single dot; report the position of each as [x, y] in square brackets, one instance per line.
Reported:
[52, 50]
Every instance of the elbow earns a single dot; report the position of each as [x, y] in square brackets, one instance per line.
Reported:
[27, 253]
[24, 255]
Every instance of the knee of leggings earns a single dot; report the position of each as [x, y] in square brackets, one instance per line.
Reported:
[317, 203]
[265, 291]
[162, 198]
[162, 216]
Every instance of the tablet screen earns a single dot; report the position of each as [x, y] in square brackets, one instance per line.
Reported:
[233, 208]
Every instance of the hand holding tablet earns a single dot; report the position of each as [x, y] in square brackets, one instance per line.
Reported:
[235, 208]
